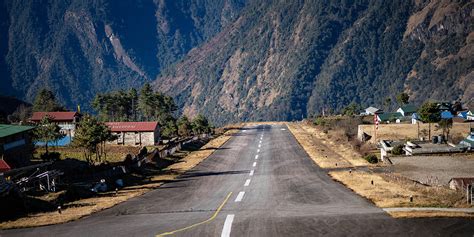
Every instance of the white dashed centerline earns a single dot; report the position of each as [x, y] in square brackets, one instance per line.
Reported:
[256, 157]
[247, 182]
[259, 145]
[227, 225]
[254, 164]
[239, 197]
[251, 172]
[258, 150]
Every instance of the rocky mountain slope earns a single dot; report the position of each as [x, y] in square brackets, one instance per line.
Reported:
[283, 61]
[236, 60]
[78, 48]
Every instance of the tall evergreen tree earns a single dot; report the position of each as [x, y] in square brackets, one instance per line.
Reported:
[45, 101]
[429, 113]
[184, 126]
[91, 136]
[146, 101]
[47, 131]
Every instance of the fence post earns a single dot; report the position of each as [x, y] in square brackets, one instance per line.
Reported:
[469, 194]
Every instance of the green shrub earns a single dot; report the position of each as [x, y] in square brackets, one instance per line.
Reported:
[320, 121]
[397, 150]
[371, 158]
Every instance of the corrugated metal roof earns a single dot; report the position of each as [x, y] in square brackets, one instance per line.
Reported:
[389, 116]
[132, 126]
[8, 129]
[4, 167]
[372, 109]
[55, 116]
[408, 108]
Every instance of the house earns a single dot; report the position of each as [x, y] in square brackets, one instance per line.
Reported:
[16, 144]
[468, 142]
[460, 183]
[389, 117]
[372, 111]
[470, 115]
[65, 120]
[135, 133]
[462, 114]
[407, 110]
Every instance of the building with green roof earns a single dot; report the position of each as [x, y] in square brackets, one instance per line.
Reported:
[407, 110]
[389, 117]
[16, 144]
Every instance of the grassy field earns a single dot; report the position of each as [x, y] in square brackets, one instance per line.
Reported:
[77, 209]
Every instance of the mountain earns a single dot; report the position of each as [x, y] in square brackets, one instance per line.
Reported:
[80, 47]
[238, 60]
[284, 61]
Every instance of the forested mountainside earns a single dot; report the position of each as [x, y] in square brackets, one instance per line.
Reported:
[284, 60]
[80, 47]
[235, 60]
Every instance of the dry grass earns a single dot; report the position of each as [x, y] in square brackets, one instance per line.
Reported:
[386, 192]
[75, 210]
[425, 214]
[324, 151]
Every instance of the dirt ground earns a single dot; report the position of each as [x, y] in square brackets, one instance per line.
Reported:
[324, 151]
[434, 170]
[78, 209]
[409, 131]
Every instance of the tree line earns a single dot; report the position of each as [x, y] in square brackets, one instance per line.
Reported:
[148, 105]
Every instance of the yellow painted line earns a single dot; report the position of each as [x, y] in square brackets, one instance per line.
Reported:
[200, 223]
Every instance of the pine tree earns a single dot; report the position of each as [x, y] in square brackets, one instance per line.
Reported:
[45, 101]
[47, 131]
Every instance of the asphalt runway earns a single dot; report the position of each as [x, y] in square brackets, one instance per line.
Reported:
[260, 183]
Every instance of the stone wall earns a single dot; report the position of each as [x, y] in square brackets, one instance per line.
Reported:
[408, 131]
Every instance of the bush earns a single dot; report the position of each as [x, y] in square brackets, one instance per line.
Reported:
[320, 121]
[371, 158]
[398, 150]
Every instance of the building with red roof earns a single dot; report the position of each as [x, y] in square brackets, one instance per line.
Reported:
[4, 167]
[135, 133]
[66, 120]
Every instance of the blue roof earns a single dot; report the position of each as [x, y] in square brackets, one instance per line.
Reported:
[446, 115]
